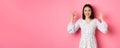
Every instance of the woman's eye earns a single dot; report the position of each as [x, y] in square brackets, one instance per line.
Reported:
[85, 10]
[89, 10]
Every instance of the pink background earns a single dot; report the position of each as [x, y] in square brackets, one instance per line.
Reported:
[43, 23]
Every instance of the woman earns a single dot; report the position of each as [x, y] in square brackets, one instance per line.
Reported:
[88, 25]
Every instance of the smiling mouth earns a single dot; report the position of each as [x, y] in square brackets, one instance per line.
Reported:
[87, 15]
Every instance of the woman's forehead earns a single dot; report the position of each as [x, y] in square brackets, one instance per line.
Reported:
[87, 8]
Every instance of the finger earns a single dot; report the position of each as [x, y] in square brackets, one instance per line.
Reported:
[101, 16]
[74, 13]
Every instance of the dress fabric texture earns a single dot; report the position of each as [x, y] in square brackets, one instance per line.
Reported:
[88, 39]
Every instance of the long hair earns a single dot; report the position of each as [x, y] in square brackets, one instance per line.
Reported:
[92, 11]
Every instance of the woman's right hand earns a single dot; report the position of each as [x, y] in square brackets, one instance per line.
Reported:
[74, 14]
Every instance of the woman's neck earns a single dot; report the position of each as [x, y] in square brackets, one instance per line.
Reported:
[88, 20]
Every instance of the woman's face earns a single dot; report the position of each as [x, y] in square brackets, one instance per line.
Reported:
[87, 12]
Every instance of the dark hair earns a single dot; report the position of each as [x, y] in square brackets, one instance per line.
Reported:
[92, 12]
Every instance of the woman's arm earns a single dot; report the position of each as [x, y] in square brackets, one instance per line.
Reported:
[72, 28]
[103, 25]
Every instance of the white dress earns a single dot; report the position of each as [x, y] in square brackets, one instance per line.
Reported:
[88, 39]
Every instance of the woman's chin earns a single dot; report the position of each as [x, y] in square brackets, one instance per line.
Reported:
[87, 16]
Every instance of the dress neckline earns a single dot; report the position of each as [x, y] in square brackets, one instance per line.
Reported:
[89, 22]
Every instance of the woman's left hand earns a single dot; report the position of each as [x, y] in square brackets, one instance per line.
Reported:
[101, 16]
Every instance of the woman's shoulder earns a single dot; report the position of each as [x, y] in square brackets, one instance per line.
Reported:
[95, 19]
[80, 19]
